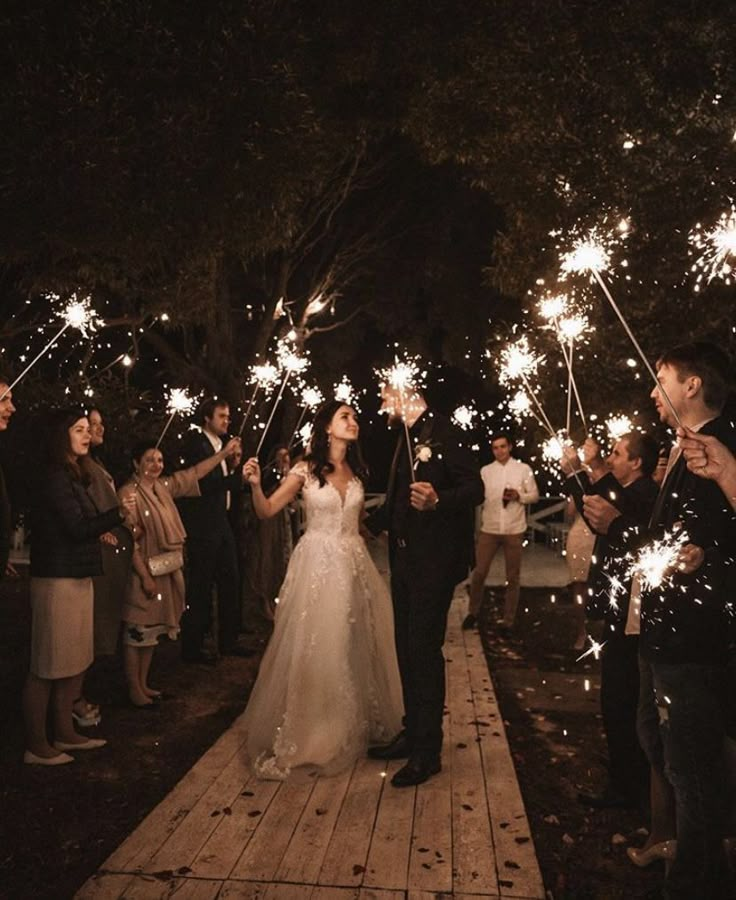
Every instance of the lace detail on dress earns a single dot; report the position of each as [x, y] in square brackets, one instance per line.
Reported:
[329, 680]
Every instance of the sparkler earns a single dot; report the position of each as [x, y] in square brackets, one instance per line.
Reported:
[594, 649]
[404, 376]
[657, 561]
[518, 361]
[464, 417]
[592, 255]
[77, 313]
[291, 362]
[569, 328]
[179, 402]
[263, 377]
[717, 248]
[312, 398]
[617, 427]
[520, 405]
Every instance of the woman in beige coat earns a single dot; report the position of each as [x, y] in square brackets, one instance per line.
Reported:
[154, 600]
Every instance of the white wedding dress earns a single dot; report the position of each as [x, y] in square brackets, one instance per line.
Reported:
[329, 681]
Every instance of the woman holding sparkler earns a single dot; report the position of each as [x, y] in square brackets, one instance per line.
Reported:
[329, 681]
[65, 555]
[155, 597]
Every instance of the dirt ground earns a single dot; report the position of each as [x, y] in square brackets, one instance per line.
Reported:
[59, 825]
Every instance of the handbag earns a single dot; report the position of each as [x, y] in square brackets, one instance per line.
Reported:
[164, 563]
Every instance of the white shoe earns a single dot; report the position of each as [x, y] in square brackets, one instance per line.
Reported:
[30, 759]
[89, 744]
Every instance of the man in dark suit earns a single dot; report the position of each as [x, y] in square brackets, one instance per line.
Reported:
[6, 411]
[210, 548]
[684, 623]
[616, 501]
[429, 515]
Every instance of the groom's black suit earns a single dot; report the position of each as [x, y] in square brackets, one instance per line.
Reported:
[430, 552]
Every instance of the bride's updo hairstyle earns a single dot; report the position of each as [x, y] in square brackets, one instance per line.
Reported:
[318, 456]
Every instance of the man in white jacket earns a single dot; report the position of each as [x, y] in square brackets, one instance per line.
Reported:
[509, 487]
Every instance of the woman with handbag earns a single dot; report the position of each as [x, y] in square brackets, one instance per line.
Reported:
[154, 600]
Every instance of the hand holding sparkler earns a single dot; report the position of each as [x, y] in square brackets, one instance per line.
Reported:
[707, 457]
[599, 513]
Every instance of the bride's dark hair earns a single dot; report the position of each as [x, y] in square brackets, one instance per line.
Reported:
[318, 456]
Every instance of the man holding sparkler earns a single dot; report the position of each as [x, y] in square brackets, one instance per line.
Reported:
[684, 623]
[509, 488]
[428, 513]
[6, 411]
[616, 499]
[211, 553]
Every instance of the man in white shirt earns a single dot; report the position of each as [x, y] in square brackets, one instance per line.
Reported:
[509, 487]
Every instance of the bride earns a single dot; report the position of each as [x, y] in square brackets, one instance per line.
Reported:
[329, 681]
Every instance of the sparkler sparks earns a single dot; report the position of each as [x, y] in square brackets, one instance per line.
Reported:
[180, 401]
[552, 306]
[464, 417]
[520, 405]
[570, 328]
[518, 361]
[656, 562]
[618, 426]
[553, 448]
[265, 376]
[312, 397]
[716, 249]
[594, 649]
[77, 313]
[404, 377]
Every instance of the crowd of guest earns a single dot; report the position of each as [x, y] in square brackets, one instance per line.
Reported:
[116, 569]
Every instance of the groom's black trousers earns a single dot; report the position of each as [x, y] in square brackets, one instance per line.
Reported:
[421, 604]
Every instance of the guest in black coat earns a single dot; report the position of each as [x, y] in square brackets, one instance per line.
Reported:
[6, 411]
[429, 515]
[65, 554]
[212, 560]
[618, 503]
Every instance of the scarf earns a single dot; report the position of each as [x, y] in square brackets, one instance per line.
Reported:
[158, 514]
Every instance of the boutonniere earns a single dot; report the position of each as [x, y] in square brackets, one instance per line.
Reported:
[424, 452]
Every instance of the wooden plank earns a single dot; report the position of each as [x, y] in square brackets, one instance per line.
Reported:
[366, 893]
[388, 857]
[347, 853]
[289, 892]
[225, 846]
[430, 860]
[137, 849]
[243, 890]
[305, 854]
[181, 848]
[474, 861]
[104, 887]
[265, 849]
[334, 893]
[146, 887]
[516, 861]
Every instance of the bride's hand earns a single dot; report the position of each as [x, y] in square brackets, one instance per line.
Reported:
[252, 471]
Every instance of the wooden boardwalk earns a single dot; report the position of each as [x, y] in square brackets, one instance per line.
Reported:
[223, 833]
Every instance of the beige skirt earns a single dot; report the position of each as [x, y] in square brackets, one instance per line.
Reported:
[62, 631]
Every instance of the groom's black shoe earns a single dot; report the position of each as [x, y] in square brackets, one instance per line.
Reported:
[416, 771]
[398, 748]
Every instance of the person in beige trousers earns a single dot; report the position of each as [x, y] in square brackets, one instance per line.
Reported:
[509, 488]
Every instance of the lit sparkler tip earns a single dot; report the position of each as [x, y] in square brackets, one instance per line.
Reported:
[572, 327]
[552, 307]
[78, 313]
[265, 375]
[180, 401]
[618, 426]
[592, 252]
[716, 248]
[553, 448]
[464, 417]
[518, 361]
[312, 397]
[594, 649]
[520, 405]
[657, 561]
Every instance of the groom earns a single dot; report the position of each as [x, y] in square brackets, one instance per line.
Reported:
[428, 514]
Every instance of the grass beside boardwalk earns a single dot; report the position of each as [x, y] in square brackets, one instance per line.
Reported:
[551, 707]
